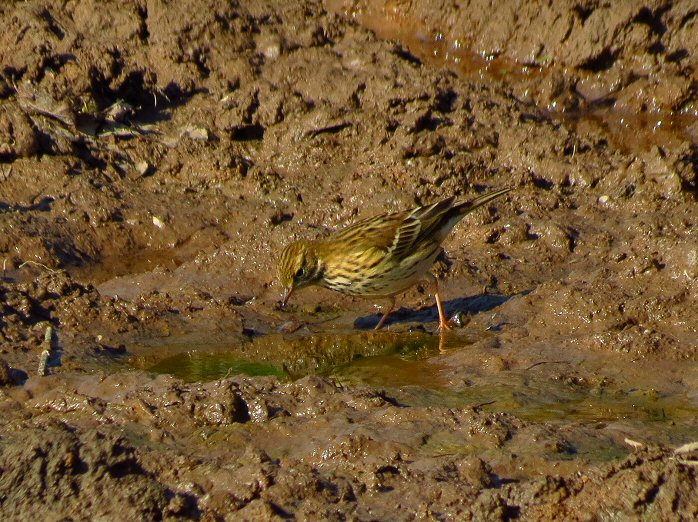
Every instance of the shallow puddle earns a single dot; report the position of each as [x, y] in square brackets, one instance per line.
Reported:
[420, 369]
[293, 357]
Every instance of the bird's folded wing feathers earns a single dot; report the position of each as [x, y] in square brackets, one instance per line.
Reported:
[397, 233]
[405, 236]
[376, 232]
[401, 232]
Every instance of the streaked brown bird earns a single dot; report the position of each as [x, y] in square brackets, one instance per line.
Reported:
[378, 257]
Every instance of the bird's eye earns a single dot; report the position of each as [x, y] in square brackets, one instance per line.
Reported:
[300, 272]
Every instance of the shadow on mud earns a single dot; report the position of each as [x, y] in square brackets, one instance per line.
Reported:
[456, 308]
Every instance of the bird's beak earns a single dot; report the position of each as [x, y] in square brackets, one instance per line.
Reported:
[285, 297]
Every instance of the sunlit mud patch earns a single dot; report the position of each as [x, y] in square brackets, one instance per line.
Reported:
[637, 114]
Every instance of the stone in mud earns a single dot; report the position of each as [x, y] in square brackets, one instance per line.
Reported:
[228, 408]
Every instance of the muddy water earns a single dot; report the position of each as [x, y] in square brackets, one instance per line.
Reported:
[419, 369]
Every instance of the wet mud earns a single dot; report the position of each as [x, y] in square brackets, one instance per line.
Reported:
[157, 156]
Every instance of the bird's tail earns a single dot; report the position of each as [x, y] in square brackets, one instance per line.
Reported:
[468, 206]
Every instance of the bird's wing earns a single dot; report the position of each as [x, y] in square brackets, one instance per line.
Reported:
[402, 233]
[405, 236]
[399, 233]
[376, 232]
[432, 218]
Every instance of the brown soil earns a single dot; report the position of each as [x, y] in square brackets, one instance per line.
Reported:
[157, 156]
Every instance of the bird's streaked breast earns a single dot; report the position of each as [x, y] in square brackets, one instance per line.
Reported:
[373, 273]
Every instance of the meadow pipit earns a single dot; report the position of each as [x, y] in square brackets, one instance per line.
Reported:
[380, 256]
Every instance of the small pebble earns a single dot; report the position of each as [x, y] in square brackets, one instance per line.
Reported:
[142, 167]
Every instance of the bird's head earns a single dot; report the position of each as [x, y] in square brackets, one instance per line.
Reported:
[298, 267]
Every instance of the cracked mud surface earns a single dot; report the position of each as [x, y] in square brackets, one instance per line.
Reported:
[156, 157]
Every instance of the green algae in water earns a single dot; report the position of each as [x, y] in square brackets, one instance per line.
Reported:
[196, 366]
[295, 357]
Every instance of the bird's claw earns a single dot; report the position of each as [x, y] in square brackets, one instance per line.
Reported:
[443, 327]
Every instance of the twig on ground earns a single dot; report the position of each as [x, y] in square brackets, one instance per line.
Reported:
[30, 262]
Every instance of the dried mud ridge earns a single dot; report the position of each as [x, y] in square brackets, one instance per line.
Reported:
[157, 156]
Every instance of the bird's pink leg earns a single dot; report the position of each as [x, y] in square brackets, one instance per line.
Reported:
[386, 313]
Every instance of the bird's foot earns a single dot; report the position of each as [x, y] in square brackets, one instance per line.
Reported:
[443, 327]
